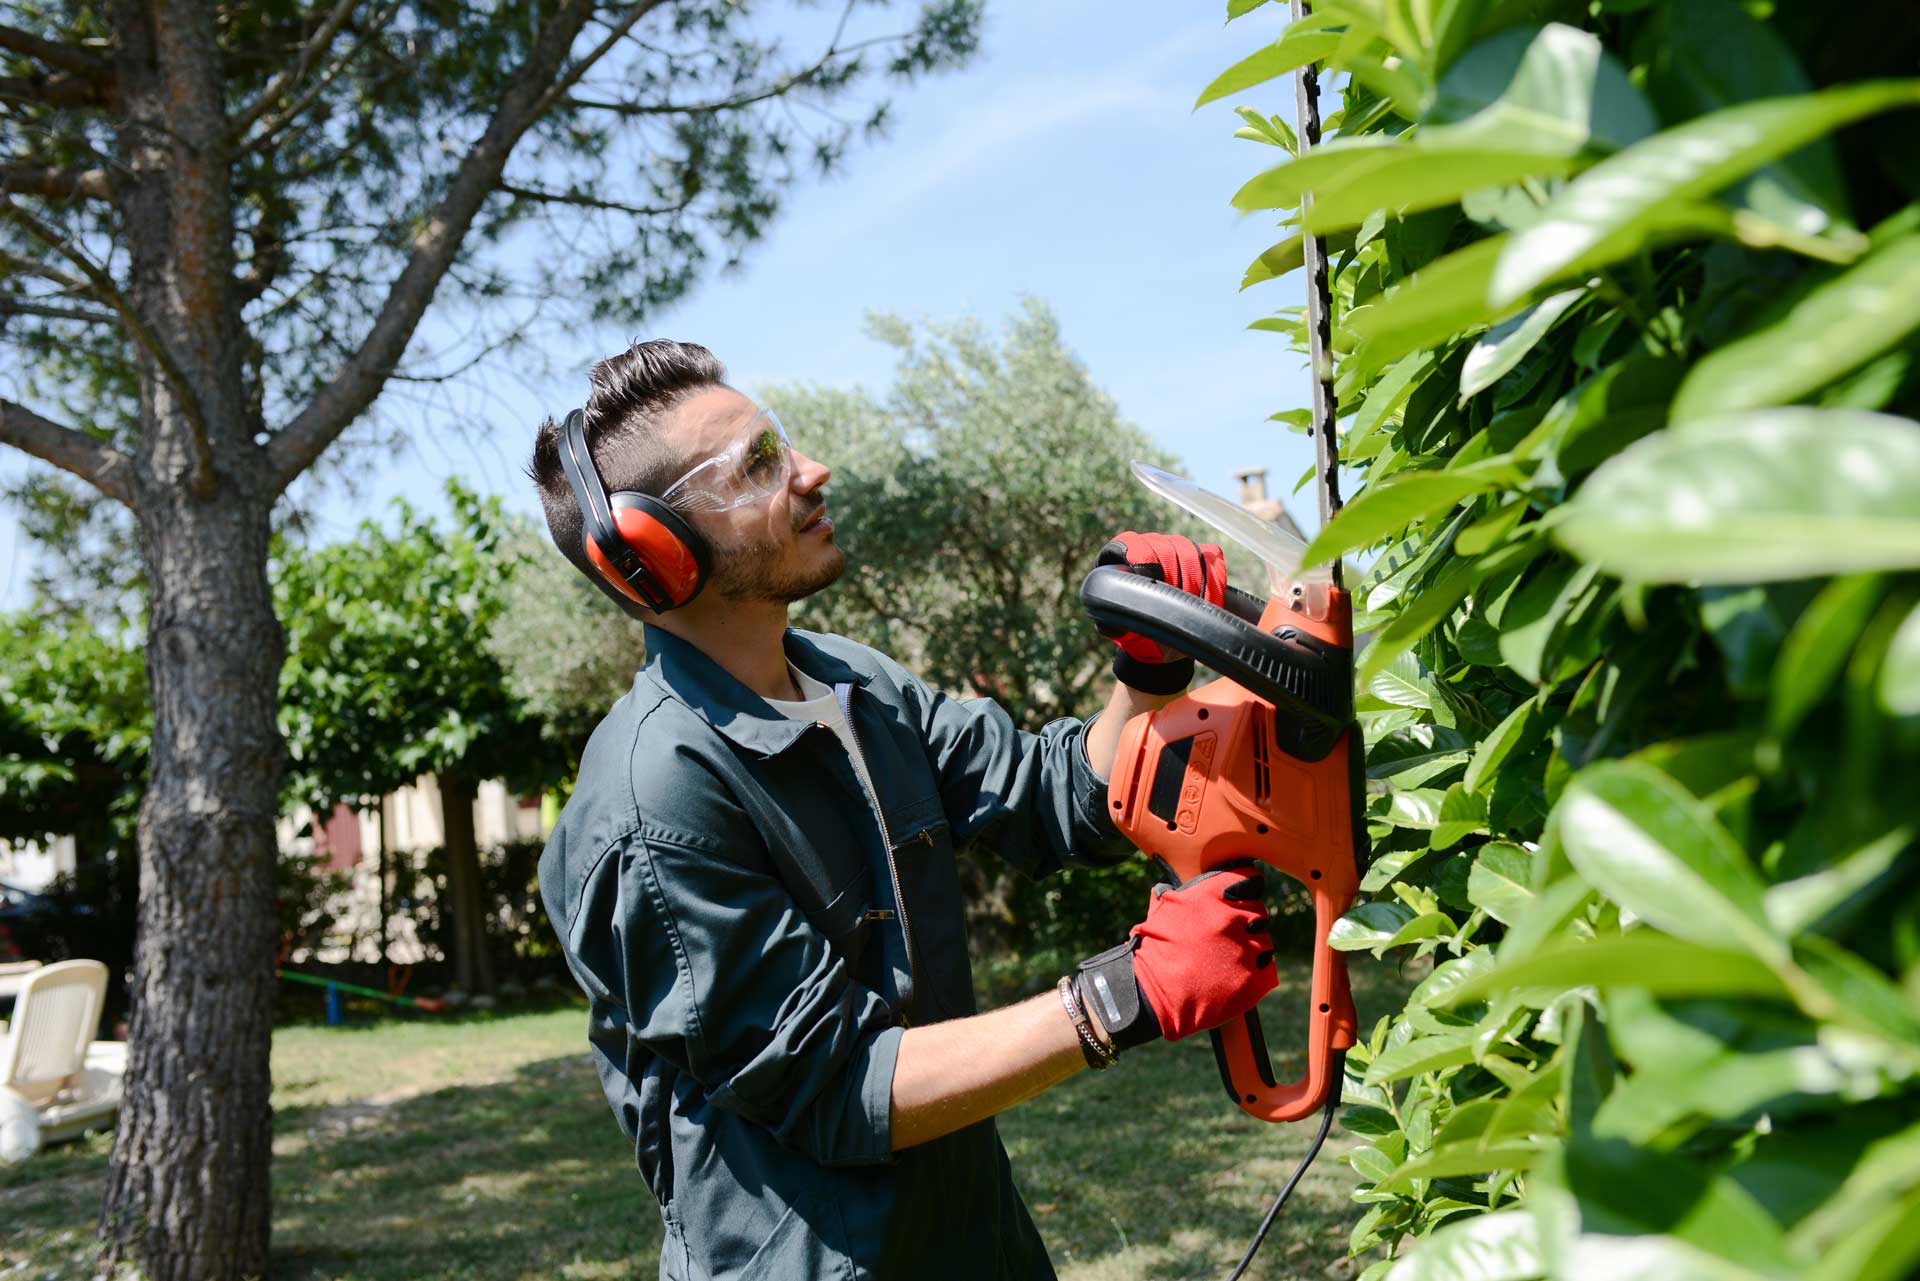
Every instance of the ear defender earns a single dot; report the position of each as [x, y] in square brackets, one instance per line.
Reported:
[644, 548]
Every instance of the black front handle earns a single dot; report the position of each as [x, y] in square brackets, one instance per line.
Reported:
[1309, 682]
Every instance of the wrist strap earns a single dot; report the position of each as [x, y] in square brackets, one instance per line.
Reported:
[1098, 1056]
[1152, 678]
[1106, 982]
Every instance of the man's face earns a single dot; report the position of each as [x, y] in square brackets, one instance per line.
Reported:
[779, 548]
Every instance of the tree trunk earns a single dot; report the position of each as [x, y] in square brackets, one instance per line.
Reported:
[465, 906]
[386, 843]
[188, 1193]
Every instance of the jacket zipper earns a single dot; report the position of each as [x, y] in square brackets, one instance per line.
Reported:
[843, 695]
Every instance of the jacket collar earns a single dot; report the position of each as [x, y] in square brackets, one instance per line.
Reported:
[729, 706]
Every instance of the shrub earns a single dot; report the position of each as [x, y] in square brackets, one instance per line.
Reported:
[1623, 317]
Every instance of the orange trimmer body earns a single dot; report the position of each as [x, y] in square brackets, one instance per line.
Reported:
[1222, 774]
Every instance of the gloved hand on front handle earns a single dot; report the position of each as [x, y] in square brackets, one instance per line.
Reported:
[1201, 958]
[1178, 561]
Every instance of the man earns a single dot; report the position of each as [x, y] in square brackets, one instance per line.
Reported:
[754, 879]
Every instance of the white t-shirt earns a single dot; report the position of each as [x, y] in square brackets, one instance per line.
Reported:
[817, 703]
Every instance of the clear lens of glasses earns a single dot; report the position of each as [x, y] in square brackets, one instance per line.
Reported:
[753, 467]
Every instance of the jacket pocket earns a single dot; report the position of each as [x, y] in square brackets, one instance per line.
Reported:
[798, 1248]
[844, 920]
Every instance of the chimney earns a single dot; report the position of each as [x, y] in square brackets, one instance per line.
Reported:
[1253, 485]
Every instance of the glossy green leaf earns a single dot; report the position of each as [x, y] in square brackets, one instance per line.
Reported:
[1302, 43]
[1464, 1158]
[1709, 54]
[1366, 1120]
[1422, 1054]
[1351, 178]
[1886, 1246]
[1462, 814]
[1425, 926]
[1856, 993]
[1435, 989]
[1876, 1177]
[1664, 966]
[1641, 839]
[1370, 1163]
[1501, 883]
[1900, 669]
[1755, 497]
[1816, 650]
[1439, 599]
[1550, 98]
[1402, 684]
[1441, 299]
[1536, 615]
[1496, 354]
[1416, 748]
[1509, 1117]
[1387, 395]
[1837, 327]
[1417, 808]
[1520, 726]
[1367, 926]
[1654, 1202]
[1406, 498]
[1272, 130]
[1288, 255]
[1794, 905]
[1611, 210]
[1554, 90]
[1386, 868]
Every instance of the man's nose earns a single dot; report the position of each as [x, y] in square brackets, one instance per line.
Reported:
[808, 474]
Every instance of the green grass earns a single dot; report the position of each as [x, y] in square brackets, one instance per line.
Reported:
[481, 1148]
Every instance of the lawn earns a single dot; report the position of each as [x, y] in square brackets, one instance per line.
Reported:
[480, 1148]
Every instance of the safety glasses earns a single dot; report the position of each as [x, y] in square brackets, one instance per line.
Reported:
[758, 464]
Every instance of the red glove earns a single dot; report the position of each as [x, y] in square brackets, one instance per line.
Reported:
[1174, 559]
[1201, 958]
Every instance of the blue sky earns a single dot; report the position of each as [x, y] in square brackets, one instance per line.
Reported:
[1065, 163]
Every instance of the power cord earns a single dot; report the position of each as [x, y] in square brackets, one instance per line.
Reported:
[1326, 1124]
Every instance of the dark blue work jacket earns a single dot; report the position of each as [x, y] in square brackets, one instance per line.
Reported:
[725, 895]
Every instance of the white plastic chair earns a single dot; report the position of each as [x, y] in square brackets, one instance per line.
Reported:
[50, 1062]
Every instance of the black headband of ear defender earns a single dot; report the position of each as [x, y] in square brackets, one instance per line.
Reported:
[597, 527]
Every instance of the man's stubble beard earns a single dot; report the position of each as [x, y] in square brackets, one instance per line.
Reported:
[750, 571]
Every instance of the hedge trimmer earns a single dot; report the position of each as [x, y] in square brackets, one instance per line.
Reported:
[1267, 761]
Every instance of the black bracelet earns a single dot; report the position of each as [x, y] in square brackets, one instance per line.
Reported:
[1152, 678]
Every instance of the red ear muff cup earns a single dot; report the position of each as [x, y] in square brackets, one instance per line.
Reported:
[672, 560]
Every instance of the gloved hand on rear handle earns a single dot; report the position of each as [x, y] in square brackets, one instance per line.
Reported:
[1178, 561]
[1201, 958]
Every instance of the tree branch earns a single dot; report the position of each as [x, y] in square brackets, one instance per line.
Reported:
[56, 89]
[77, 59]
[28, 267]
[29, 307]
[295, 71]
[269, 258]
[94, 461]
[102, 287]
[55, 182]
[538, 84]
[590, 202]
[774, 89]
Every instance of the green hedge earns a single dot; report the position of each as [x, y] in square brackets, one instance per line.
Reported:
[1625, 298]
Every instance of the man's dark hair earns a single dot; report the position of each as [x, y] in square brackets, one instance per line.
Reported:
[632, 393]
